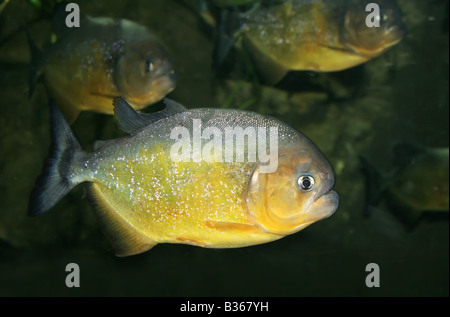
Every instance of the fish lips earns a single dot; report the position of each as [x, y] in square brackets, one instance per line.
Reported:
[166, 82]
[326, 200]
[161, 85]
[325, 205]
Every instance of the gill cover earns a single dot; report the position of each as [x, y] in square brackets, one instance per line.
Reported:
[274, 201]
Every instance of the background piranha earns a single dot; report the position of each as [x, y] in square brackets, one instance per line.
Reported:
[103, 58]
[418, 182]
[144, 197]
[317, 35]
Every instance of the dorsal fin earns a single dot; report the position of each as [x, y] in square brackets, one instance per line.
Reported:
[130, 120]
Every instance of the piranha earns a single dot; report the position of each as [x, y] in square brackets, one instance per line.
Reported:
[417, 184]
[152, 186]
[103, 58]
[314, 35]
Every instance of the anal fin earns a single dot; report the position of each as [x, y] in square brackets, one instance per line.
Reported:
[125, 239]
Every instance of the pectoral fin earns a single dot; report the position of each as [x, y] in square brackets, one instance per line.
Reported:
[236, 235]
[231, 226]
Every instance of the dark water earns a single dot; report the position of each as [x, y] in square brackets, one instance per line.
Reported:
[401, 95]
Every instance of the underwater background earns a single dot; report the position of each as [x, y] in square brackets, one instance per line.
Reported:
[401, 95]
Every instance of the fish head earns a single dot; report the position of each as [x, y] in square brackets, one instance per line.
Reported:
[145, 73]
[296, 195]
[372, 41]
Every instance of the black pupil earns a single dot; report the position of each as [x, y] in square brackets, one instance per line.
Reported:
[306, 183]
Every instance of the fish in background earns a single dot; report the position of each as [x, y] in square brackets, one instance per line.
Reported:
[144, 197]
[417, 183]
[3, 4]
[314, 35]
[101, 59]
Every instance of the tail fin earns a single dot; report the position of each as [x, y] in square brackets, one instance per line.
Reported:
[374, 189]
[54, 183]
[34, 72]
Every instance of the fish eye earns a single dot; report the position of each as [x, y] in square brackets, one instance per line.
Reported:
[306, 182]
[149, 65]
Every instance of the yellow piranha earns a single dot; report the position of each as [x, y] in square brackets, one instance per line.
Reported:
[103, 58]
[316, 35]
[215, 178]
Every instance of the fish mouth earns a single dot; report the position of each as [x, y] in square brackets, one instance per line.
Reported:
[371, 50]
[159, 88]
[162, 85]
[371, 43]
[325, 205]
[394, 34]
[166, 81]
